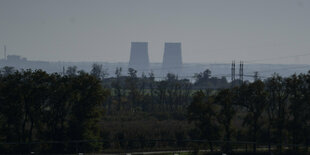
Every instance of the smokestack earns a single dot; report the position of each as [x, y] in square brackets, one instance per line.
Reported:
[139, 58]
[172, 61]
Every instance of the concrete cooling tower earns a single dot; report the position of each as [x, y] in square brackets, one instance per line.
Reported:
[139, 58]
[172, 62]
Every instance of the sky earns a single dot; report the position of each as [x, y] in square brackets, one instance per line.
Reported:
[211, 31]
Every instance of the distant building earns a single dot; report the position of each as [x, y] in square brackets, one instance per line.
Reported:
[139, 58]
[15, 58]
[19, 62]
[172, 61]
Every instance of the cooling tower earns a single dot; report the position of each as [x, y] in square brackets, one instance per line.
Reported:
[172, 61]
[139, 58]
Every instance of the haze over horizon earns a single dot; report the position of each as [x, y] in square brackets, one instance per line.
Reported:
[215, 31]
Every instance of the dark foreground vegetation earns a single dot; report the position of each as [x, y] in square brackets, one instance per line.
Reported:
[77, 111]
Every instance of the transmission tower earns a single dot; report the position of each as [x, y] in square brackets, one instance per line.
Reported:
[256, 76]
[233, 67]
[241, 71]
[63, 70]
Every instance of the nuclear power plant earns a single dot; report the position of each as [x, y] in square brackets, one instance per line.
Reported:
[139, 58]
[172, 61]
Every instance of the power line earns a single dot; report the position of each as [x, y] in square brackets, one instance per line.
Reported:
[285, 68]
[277, 58]
[248, 62]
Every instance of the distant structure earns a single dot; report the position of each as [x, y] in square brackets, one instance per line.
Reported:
[139, 58]
[4, 52]
[255, 76]
[241, 71]
[233, 69]
[15, 58]
[172, 61]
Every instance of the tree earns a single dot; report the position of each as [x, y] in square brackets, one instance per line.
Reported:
[161, 93]
[22, 106]
[6, 70]
[36, 106]
[225, 115]
[201, 111]
[11, 107]
[252, 97]
[278, 107]
[86, 110]
[57, 114]
[132, 86]
[98, 71]
[298, 108]
[71, 71]
[203, 76]
[152, 85]
[117, 85]
[142, 84]
[204, 80]
[173, 90]
[306, 118]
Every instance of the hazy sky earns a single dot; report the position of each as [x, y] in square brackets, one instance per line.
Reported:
[210, 30]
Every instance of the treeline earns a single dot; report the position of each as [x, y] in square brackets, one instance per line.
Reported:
[36, 106]
[170, 94]
[132, 94]
[274, 112]
[92, 112]
[63, 108]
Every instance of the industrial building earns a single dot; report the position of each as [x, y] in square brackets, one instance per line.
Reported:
[139, 58]
[172, 60]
